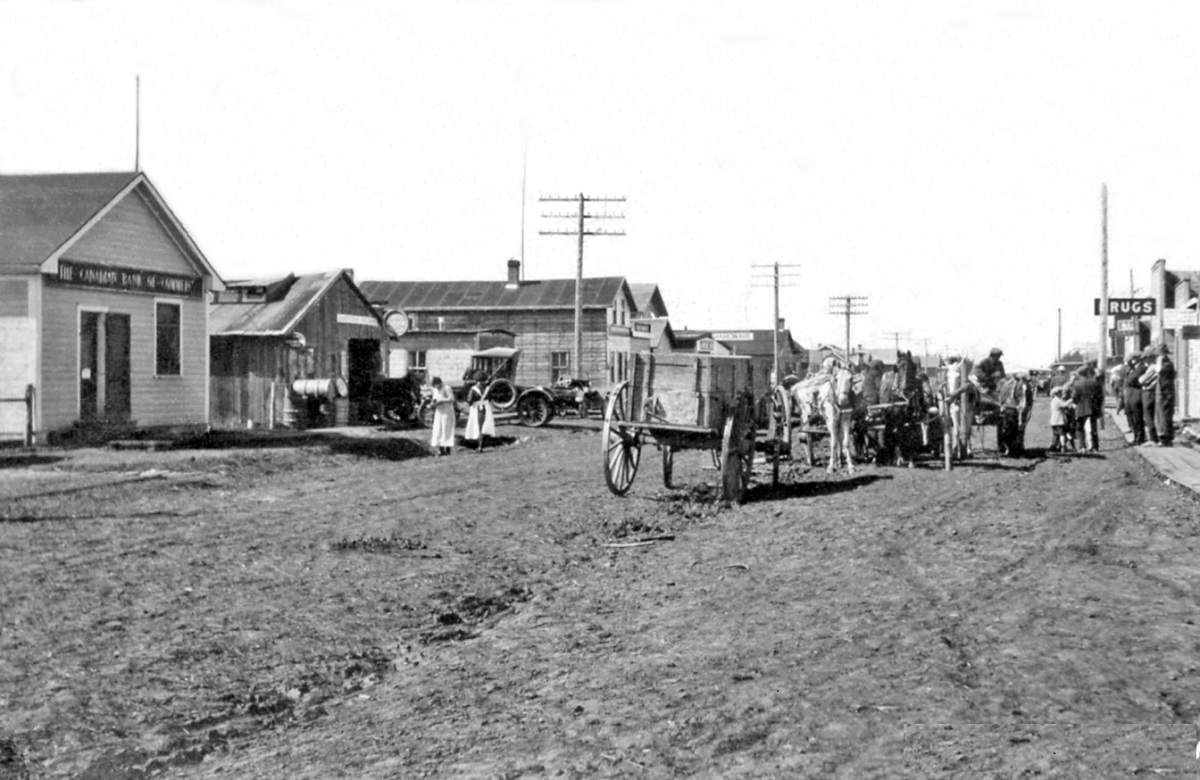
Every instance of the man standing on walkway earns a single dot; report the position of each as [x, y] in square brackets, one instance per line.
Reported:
[1132, 393]
[1166, 397]
[1088, 395]
[1150, 396]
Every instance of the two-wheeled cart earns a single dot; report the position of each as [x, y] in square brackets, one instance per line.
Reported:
[682, 402]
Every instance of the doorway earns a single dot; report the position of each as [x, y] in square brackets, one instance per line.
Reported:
[104, 366]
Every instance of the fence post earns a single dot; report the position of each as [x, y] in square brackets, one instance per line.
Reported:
[29, 415]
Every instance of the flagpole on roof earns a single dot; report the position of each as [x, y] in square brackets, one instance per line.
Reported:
[137, 123]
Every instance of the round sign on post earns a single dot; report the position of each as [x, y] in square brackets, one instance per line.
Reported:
[396, 321]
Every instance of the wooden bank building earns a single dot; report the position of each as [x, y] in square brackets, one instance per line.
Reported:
[103, 307]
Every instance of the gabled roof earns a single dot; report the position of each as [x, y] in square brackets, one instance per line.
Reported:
[281, 316]
[42, 215]
[597, 293]
[656, 329]
[648, 300]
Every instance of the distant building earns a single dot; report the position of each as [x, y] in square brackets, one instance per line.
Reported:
[103, 306]
[295, 351]
[541, 314]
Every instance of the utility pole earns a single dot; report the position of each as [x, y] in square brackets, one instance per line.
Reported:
[1058, 355]
[848, 306]
[773, 277]
[1103, 367]
[896, 334]
[580, 231]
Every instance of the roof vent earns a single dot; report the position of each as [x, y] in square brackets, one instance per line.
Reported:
[514, 275]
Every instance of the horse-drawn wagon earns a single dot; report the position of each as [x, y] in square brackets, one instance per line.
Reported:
[682, 402]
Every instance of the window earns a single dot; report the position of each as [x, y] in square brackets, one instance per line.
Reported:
[167, 333]
[560, 365]
[416, 363]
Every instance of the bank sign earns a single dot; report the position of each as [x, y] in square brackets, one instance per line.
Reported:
[129, 279]
[1127, 307]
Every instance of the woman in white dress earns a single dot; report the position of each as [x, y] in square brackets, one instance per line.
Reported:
[442, 437]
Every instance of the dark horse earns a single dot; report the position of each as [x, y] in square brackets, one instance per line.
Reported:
[910, 428]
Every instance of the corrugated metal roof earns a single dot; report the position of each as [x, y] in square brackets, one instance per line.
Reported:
[598, 292]
[276, 318]
[39, 212]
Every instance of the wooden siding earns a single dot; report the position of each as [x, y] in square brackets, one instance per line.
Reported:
[252, 375]
[154, 401]
[130, 235]
[539, 333]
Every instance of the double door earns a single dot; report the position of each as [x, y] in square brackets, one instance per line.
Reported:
[104, 366]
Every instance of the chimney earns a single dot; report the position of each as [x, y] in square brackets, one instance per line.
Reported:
[514, 275]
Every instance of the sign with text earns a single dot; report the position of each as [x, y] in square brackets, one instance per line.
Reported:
[128, 279]
[1127, 307]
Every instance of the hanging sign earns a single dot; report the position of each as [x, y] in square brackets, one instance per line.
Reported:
[1127, 307]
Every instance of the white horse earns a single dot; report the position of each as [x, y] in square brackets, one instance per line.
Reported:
[828, 396]
[839, 401]
[963, 397]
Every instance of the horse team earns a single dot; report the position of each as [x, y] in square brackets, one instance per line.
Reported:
[907, 417]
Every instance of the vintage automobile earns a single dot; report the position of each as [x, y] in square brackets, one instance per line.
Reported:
[537, 406]
[394, 401]
[490, 375]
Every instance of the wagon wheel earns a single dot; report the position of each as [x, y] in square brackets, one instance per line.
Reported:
[622, 448]
[502, 393]
[737, 452]
[780, 432]
[668, 463]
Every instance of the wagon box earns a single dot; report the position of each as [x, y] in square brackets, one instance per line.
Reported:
[697, 390]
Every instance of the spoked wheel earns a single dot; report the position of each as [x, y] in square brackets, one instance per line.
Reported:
[780, 432]
[534, 410]
[737, 452]
[622, 446]
[668, 463]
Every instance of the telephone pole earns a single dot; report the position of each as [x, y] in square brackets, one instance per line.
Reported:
[848, 306]
[773, 277]
[1103, 366]
[580, 231]
[896, 334]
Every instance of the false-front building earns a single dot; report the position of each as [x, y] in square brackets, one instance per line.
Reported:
[103, 307]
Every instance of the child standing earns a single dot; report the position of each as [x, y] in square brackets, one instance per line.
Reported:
[1060, 410]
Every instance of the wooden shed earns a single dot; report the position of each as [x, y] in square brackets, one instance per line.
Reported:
[299, 351]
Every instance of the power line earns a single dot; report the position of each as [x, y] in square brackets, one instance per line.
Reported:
[848, 306]
[580, 231]
[778, 274]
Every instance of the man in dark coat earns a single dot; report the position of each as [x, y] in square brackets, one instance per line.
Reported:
[1166, 397]
[1132, 392]
[1150, 396]
[987, 375]
[1088, 396]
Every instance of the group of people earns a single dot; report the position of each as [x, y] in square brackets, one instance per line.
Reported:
[1075, 409]
[481, 419]
[1146, 396]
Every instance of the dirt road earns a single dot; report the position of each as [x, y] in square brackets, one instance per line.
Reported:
[345, 609]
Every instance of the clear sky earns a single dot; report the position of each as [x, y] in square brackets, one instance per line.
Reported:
[944, 159]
